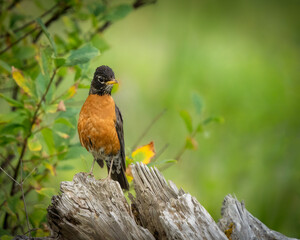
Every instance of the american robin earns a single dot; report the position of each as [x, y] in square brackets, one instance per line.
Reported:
[100, 126]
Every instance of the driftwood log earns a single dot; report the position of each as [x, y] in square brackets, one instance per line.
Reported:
[97, 209]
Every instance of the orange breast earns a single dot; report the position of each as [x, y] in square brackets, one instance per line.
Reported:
[96, 124]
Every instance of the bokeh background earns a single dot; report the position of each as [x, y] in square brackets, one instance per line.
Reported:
[243, 59]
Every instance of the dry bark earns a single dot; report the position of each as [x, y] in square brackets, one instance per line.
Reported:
[238, 223]
[93, 209]
[97, 209]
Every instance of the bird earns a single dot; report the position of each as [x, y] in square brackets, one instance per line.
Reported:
[100, 126]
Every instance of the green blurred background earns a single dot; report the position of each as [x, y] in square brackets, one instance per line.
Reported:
[243, 58]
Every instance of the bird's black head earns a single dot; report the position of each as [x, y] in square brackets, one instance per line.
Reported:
[103, 81]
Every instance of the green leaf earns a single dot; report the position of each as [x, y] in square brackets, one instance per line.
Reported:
[82, 55]
[96, 8]
[34, 145]
[199, 128]
[41, 85]
[6, 139]
[118, 12]
[99, 42]
[65, 122]
[48, 139]
[24, 52]
[13, 202]
[84, 86]
[187, 120]
[7, 237]
[66, 167]
[44, 28]
[59, 62]
[11, 128]
[48, 192]
[75, 152]
[37, 216]
[12, 102]
[5, 66]
[51, 108]
[198, 103]
[191, 143]
[213, 119]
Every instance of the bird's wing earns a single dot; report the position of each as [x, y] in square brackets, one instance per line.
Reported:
[119, 129]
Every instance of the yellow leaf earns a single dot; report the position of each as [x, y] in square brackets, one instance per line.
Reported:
[21, 80]
[129, 178]
[52, 108]
[129, 174]
[144, 153]
[63, 135]
[34, 145]
[71, 91]
[51, 168]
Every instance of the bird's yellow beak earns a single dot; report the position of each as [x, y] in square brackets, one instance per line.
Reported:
[111, 82]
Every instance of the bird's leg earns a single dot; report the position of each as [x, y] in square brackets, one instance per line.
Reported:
[91, 171]
[110, 169]
[109, 172]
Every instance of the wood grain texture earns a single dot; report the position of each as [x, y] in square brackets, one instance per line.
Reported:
[97, 209]
[238, 223]
[93, 209]
[167, 212]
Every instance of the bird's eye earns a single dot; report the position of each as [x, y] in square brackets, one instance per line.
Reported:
[100, 79]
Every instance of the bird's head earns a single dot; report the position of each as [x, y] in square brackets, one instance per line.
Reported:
[103, 81]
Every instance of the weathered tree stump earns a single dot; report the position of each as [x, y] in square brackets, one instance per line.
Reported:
[97, 209]
[238, 223]
[93, 209]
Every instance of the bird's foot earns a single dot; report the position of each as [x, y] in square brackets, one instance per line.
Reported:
[91, 171]
[91, 174]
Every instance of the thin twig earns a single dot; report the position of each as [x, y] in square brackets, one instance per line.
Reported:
[182, 150]
[47, 157]
[30, 22]
[7, 89]
[160, 152]
[29, 174]
[30, 132]
[137, 4]
[158, 116]
[103, 27]
[56, 16]
[140, 3]
[25, 208]
[10, 176]
[24, 147]
[7, 160]
[17, 41]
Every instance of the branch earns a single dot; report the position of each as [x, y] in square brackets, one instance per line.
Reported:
[183, 149]
[24, 147]
[137, 4]
[55, 17]
[51, 20]
[158, 116]
[30, 22]
[17, 41]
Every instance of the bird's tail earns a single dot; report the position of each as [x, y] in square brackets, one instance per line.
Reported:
[121, 178]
